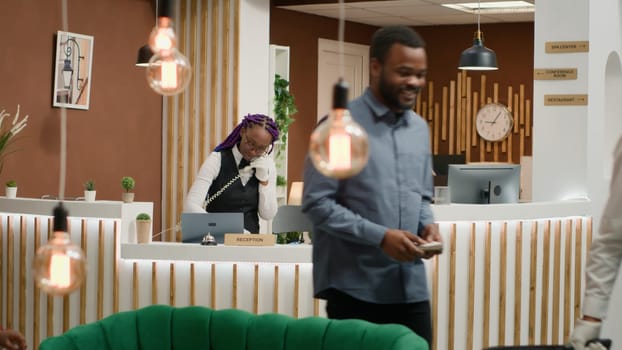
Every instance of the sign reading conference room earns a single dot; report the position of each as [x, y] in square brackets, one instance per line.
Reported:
[555, 74]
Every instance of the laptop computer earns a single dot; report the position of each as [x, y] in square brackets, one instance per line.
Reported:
[196, 225]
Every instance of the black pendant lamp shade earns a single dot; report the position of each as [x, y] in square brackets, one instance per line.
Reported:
[478, 56]
[144, 55]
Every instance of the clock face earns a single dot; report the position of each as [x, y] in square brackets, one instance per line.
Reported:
[494, 122]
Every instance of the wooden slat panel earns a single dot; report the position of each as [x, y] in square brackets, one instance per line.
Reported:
[531, 336]
[544, 308]
[567, 279]
[435, 301]
[154, 282]
[83, 245]
[454, 104]
[275, 300]
[36, 326]
[202, 72]
[296, 290]
[578, 274]
[256, 289]
[451, 329]
[234, 289]
[214, 59]
[518, 263]
[213, 288]
[9, 272]
[443, 125]
[236, 58]
[502, 282]
[487, 267]
[471, 290]
[22, 274]
[115, 267]
[100, 270]
[556, 282]
[171, 284]
[193, 285]
[49, 298]
[135, 286]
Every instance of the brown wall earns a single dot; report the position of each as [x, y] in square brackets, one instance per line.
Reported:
[121, 132]
[513, 43]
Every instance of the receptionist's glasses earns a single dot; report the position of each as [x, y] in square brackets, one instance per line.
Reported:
[255, 147]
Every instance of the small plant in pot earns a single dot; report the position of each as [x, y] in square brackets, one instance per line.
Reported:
[143, 228]
[89, 191]
[11, 189]
[128, 183]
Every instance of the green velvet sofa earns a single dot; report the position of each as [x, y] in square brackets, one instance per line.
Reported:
[199, 328]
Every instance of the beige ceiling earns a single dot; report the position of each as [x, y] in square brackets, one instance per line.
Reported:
[408, 12]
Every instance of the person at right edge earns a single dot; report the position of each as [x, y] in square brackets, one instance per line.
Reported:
[603, 264]
[367, 229]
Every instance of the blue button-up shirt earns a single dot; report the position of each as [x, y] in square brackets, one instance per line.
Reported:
[351, 216]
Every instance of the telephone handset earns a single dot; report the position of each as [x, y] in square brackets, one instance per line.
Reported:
[223, 188]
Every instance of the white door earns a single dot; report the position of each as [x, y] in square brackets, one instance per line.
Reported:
[355, 71]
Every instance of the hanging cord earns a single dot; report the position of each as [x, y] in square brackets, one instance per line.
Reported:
[342, 15]
[63, 121]
[220, 191]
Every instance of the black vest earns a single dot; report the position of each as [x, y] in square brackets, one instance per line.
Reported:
[237, 197]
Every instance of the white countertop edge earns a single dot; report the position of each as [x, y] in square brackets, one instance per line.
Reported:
[98, 209]
[295, 254]
[518, 211]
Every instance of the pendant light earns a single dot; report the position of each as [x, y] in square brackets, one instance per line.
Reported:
[168, 71]
[59, 266]
[338, 147]
[478, 56]
[144, 55]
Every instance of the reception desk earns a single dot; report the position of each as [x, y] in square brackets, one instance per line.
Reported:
[510, 274]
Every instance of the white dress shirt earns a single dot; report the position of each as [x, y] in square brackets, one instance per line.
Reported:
[195, 199]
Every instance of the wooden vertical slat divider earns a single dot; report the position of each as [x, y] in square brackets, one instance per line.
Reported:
[588, 243]
[482, 90]
[446, 103]
[453, 105]
[213, 287]
[436, 137]
[502, 282]
[487, 267]
[453, 117]
[510, 147]
[234, 286]
[431, 102]
[224, 95]
[544, 299]
[22, 274]
[424, 108]
[115, 268]
[201, 71]
[471, 132]
[471, 287]
[516, 114]
[578, 262]
[510, 103]
[191, 92]
[36, 307]
[10, 248]
[154, 282]
[236, 57]
[533, 249]
[567, 279]
[275, 296]
[556, 282]
[527, 118]
[100, 270]
[463, 130]
[135, 286]
[171, 285]
[193, 284]
[316, 307]
[521, 145]
[296, 290]
[521, 104]
[451, 328]
[213, 86]
[518, 273]
[256, 289]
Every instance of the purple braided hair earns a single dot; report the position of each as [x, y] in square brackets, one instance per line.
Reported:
[248, 121]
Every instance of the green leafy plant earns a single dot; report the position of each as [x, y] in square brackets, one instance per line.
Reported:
[289, 237]
[8, 131]
[281, 180]
[127, 183]
[143, 217]
[11, 183]
[284, 108]
[89, 185]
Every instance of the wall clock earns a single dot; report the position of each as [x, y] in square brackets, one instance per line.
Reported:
[494, 122]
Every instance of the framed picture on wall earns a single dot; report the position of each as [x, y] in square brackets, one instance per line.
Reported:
[72, 70]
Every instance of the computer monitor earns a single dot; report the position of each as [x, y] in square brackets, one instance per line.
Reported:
[484, 183]
[440, 164]
[196, 225]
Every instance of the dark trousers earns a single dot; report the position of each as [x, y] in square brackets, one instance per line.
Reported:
[415, 316]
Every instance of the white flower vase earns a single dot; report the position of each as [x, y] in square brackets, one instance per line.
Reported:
[143, 231]
[89, 196]
[128, 197]
[11, 192]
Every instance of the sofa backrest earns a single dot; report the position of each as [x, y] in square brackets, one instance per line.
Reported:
[199, 328]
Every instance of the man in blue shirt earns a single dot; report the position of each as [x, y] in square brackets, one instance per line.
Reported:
[368, 228]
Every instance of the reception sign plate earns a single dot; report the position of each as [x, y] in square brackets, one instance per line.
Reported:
[242, 239]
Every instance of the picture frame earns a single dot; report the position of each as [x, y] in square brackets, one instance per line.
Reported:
[72, 70]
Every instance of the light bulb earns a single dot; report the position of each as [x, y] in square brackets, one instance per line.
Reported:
[59, 267]
[162, 36]
[338, 146]
[169, 74]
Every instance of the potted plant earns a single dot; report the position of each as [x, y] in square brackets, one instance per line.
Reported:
[284, 108]
[89, 191]
[128, 183]
[143, 228]
[11, 189]
[281, 185]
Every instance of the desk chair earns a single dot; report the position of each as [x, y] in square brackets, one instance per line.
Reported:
[289, 218]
